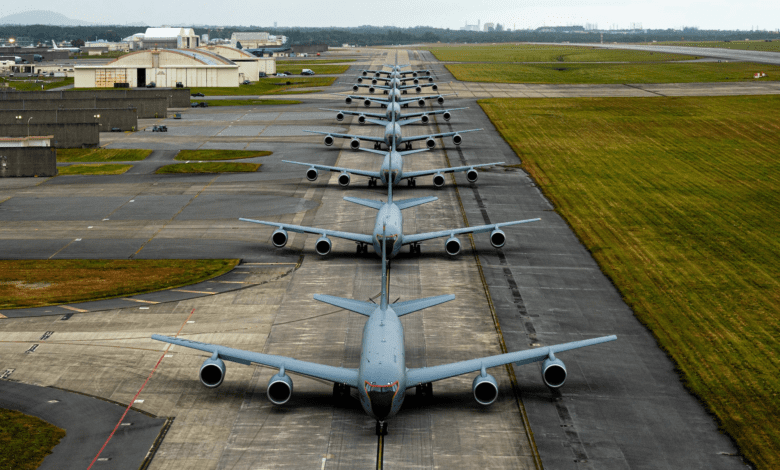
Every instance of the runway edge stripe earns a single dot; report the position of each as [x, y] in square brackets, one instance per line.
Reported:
[509, 367]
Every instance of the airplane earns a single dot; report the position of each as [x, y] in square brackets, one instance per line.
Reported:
[69, 49]
[397, 70]
[394, 108]
[394, 96]
[382, 379]
[395, 83]
[388, 218]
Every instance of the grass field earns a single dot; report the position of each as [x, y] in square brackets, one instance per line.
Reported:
[267, 86]
[48, 83]
[25, 440]
[208, 168]
[93, 169]
[612, 73]
[101, 155]
[543, 53]
[220, 154]
[250, 102]
[677, 200]
[36, 283]
[773, 46]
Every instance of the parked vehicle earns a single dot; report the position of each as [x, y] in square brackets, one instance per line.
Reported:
[159, 128]
[151, 85]
[263, 75]
[246, 82]
[307, 72]
[198, 94]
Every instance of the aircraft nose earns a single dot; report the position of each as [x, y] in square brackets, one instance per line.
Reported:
[381, 402]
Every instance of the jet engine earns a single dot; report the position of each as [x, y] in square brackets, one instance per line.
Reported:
[311, 174]
[323, 245]
[360, 80]
[354, 144]
[447, 116]
[339, 117]
[328, 140]
[421, 102]
[425, 119]
[438, 180]
[416, 82]
[374, 81]
[355, 88]
[430, 79]
[457, 139]
[377, 75]
[371, 89]
[485, 389]
[452, 246]
[497, 238]
[279, 237]
[553, 372]
[367, 103]
[365, 74]
[212, 372]
[280, 388]
[430, 143]
[344, 179]
[440, 99]
[414, 74]
[418, 89]
[472, 175]
[348, 100]
[362, 119]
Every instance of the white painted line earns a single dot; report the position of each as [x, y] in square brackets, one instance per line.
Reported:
[138, 401]
[77, 240]
[104, 220]
[143, 308]
[190, 321]
[132, 200]
[89, 226]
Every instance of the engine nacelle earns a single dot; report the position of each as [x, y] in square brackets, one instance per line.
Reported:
[367, 103]
[447, 116]
[452, 246]
[360, 80]
[365, 74]
[344, 179]
[425, 119]
[362, 119]
[418, 89]
[414, 74]
[354, 144]
[553, 372]
[212, 372]
[339, 117]
[355, 88]
[485, 389]
[472, 175]
[371, 89]
[430, 143]
[457, 139]
[377, 75]
[430, 79]
[280, 389]
[328, 140]
[497, 238]
[323, 245]
[421, 102]
[311, 174]
[279, 238]
[440, 99]
[435, 87]
[416, 82]
[374, 81]
[348, 100]
[438, 180]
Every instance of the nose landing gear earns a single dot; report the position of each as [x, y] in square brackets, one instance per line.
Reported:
[381, 428]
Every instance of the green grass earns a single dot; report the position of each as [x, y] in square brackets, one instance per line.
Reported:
[30, 85]
[573, 73]
[677, 200]
[220, 154]
[93, 169]
[316, 61]
[37, 283]
[773, 46]
[316, 68]
[250, 102]
[543, 53]
[105, 55]
[266, 86]
[209, 168]
[25, 440]
[101, 155]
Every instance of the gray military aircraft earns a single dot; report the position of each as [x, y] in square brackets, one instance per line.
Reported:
[390, 220]
[395, 83]
[394, 96]
[396, 69]
[393, 108]
[382, 378]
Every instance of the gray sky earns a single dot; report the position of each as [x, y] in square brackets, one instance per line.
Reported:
[657, 14]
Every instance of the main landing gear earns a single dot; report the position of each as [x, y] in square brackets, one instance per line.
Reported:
[381, 428]
[372, 182]
[377, 146]
[408, 146]
[362, 248]
[415, 248]
[411, 182]
[424, 392]
[340, 392]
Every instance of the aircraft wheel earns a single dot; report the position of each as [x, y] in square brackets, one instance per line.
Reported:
[340, 392]
[381, 428]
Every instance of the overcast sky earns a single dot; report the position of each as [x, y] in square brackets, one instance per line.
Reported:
[657, 14]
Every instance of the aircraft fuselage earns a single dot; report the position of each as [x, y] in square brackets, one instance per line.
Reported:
[392, 168]
[389, 219]
[392, 129]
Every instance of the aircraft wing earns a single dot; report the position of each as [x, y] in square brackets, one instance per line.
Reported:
[426, 136]
[436, 111]
[432, 374]
[419, 237]
[370, 174]
[355, 237]
[311, 369]
[411, 306]
[403, 122]
[348, 136]
[356, 113]
[357, 306]
[456, 169]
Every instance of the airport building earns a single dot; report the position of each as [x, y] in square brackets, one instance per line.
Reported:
[164, 38]
[249, 65]
[27, 156]
[256, 40]
[166, 68]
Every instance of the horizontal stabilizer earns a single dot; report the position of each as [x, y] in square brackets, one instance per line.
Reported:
[365, 202]
[407, 203]
[411, 306]
[357, 306]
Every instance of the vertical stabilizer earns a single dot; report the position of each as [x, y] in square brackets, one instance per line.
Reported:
[383, 303]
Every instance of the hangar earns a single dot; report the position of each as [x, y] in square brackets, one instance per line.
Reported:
[164, 67]
[249, 65]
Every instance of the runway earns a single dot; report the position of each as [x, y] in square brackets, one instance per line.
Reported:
[622, 407]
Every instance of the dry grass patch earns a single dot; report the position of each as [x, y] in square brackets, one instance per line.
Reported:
[677, 199]
[25, 440]
[37, 283]
[93, 169]
[102, 155]
[220, 154]
[209, 167]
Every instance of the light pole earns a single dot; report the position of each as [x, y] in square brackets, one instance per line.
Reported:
[28, 126]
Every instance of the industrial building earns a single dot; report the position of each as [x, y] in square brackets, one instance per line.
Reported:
[249, 65]
[256, 40]
[27, 156]
[164, 38]
[166, 68]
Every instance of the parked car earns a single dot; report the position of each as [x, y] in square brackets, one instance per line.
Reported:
[202, 104]
[179, 85]
[246, 82]
[263, 75]
[287, 72]
[151, 85]
[159, 128]
[307, 72]
[281, 74]
[198, 94]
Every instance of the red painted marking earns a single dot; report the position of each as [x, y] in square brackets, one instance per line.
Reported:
[136, 395]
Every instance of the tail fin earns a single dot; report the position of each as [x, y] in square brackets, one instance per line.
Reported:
[383, 303]
[54, 44]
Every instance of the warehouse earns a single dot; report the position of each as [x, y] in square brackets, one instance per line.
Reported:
[254, 40]
[165, 68]
[164, 38]
[249, 65]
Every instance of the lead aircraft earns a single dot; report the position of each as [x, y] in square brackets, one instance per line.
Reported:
[382, 378]
[389, 221]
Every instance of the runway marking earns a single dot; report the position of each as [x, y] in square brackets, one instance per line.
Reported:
[265, 264]
[141, 300]
[193, 291]
[97, 457]
[68, 307]
[2, 316]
